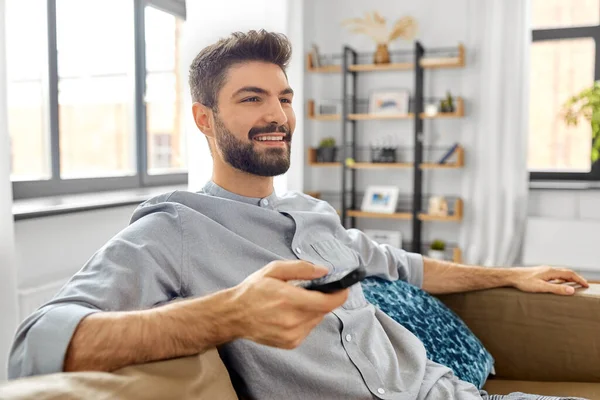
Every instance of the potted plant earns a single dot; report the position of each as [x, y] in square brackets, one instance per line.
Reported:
[447, 104]
[374, 26]
[436, 250]
[586, 104]
[327, 152]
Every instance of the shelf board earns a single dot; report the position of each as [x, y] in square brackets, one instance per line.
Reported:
[456, 217]
[459, 163]
[458, 113]
[426, 63]
[422, 216]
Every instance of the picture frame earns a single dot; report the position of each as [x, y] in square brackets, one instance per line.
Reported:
[327, 107]
[380, 199]
[392, 238]
[389, 101]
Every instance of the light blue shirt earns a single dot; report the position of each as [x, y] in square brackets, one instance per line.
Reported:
[185, 244]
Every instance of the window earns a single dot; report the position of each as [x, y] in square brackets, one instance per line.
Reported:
[564, 61]
[98, 81]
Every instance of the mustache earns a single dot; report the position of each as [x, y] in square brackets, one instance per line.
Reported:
[272, 128]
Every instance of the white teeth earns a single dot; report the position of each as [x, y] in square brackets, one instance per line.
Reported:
[272, 138]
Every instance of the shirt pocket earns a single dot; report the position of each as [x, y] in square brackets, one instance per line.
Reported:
[341, 257]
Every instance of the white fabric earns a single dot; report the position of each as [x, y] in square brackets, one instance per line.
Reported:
[206, 22]
[8, 280]
[496, 180]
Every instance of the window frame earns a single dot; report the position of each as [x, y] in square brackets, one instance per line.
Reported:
[578, 32]
[55, 185]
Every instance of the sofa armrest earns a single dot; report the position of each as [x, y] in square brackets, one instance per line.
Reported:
[536, 337]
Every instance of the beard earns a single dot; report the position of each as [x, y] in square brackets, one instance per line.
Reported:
[244, 156]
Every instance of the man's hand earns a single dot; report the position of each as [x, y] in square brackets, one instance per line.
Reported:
[545, 279]
[276, 313]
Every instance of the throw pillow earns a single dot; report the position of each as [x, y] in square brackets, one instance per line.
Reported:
[446, 337]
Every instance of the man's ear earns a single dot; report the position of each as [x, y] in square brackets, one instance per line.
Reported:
[202, 117]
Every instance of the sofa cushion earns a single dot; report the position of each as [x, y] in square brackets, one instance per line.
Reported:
[566, 389]
[446, 338]
[196, 377]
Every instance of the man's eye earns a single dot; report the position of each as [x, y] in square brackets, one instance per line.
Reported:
[251, 100]
[288, 101]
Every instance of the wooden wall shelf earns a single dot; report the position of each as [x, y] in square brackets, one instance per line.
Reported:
[460, 162]
[426, 63]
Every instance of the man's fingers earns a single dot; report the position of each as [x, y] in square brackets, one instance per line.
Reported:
[314, 301]
[294, 270]
[564, 290]
[567, 275]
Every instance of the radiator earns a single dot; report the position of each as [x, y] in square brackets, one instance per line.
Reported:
[31, 299]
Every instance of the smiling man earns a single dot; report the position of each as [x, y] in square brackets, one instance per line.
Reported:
[226, 255]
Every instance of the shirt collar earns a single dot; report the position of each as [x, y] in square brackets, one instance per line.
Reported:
[213, 189]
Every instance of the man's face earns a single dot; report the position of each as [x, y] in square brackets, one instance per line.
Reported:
[254, 120]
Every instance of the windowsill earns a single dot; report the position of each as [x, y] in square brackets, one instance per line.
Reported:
[564, 185]
[56, 205]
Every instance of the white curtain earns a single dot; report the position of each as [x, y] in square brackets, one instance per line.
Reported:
[8, 281]
[206, 22]
[496, 181]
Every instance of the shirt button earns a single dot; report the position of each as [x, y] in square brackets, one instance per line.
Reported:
[380, 391]
[298, 250]
[348, 338]
[265, 202]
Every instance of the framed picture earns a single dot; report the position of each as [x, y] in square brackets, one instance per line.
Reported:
[393, 238]
[380, 199]
[389, 102]
[327, 107]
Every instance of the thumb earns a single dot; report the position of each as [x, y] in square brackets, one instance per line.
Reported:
[295, 270]
[564, 290]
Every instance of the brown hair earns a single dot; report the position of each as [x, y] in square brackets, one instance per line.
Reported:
[210, 66]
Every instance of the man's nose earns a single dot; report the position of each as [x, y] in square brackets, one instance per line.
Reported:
[276, 114]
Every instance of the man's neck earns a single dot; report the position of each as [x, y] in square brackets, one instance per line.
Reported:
[242, 183]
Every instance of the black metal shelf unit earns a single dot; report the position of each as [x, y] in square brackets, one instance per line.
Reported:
[350, 148]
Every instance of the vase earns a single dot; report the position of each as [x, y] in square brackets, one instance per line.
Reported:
[436, 254]
[382, 55]
[326, 154]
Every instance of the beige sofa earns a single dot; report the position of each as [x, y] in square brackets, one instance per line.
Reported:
[542, 344]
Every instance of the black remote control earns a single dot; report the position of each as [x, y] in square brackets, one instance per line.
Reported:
[334, 282]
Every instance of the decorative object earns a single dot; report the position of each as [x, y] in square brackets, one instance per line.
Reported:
[447, 104]
[393, 238]
[316, 57]
[437, 250]
[438, 206]
[448, 154]
[327, 107]
[327, 152]
[449, 343]
[431, 109]
[389, 102]
[350, 162]
[586, 104]
[380, 199]
[374, 26]
[383, 154]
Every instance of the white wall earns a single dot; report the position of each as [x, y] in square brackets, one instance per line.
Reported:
[563, 229]
[8, 285]
[441, 24]
[51, 249]
[206, 22]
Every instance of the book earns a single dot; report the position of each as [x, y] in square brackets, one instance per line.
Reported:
[448, 154]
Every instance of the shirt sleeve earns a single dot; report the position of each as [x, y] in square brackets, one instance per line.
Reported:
[139, 268]
[385, 261]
